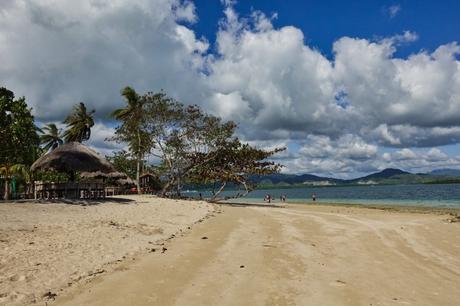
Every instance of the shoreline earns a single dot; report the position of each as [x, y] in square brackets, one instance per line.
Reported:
[383, 206]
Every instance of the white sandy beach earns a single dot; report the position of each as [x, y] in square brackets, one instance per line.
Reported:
[65, 254]
[47, 248]
[299, 255]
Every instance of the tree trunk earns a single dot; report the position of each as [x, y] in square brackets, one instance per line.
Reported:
[143, 164]
[166, 187]
[178, 186]
[238, 195]
[7, 189]
[218, 191]
[245, 187]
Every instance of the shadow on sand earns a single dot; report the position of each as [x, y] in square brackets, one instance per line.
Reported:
[81, 202]
[249, 204]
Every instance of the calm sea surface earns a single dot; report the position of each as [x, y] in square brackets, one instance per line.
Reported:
[442, 195]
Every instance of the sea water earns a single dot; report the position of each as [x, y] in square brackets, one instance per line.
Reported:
[436, 195]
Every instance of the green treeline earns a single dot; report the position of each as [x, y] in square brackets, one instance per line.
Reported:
[189, 146]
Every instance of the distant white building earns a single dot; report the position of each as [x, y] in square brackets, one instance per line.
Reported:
[367, 182]
[319, 183]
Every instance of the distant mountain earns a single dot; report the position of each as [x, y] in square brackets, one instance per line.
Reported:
[445, 172]
[384, 174]
[281, 180]
[389, 176]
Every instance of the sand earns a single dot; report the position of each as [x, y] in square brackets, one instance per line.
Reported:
[298, 255]
[45, 249]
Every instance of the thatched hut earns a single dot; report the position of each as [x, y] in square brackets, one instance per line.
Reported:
[149, 182]
[70, 158]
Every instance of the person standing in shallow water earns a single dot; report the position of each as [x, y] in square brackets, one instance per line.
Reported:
[313, 197]
[268, 198]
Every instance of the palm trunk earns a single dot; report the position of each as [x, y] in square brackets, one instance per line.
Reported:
[137, 175]
[138, 164]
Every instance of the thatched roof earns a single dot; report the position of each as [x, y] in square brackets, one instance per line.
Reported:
[100, 174]
[73, 156]
[127, 181]
[118, 175]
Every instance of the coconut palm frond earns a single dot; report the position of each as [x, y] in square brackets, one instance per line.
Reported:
[79, 124]
[51, 137]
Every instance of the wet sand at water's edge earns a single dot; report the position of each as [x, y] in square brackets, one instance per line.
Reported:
[298, 255]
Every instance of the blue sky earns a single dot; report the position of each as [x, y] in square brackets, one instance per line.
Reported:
[350, 87]
[323, 22]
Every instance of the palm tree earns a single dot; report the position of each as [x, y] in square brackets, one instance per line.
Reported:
[51, 137]
[79, 124]
[131, 116]
[8, 172]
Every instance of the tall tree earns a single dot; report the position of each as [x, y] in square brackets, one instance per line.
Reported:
[193, 145]
[131, 130]
[51, 137]
[19, 141]
[79, 124]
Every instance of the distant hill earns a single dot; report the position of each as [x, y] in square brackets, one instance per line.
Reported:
[389, 176]
[281, 180]
[384, 174]
[445, 172]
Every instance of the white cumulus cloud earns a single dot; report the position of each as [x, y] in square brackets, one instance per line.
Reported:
[339, 110]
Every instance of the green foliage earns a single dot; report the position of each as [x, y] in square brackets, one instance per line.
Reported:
[79, 124]
[234, 162]
[133, 121]
[123, 162]
[18, 134]
[183, 137]
[51, 137]
[19, 141]
[51, 176]
[8, 172]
